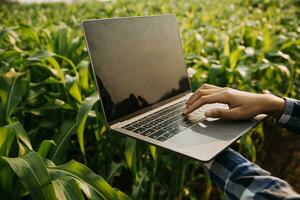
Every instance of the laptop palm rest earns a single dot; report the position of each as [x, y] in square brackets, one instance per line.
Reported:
[210, 135]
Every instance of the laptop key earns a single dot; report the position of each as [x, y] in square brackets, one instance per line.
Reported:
[178, 129]
[136, 125]
[147, 126]
[193, 121]
[153, 123]
[139, 130]
[168, 128]
[164, 124]
[156, 127]
[129, 128]
[157, 134]
[162, 138]
[159, 120]
[143, 122]
[175, 124]
[168, 135]
[147, 132]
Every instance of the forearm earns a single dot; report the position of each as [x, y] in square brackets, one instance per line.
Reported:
[241, 179]
[272, 105]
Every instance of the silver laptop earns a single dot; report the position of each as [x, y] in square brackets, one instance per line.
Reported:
[143, 83]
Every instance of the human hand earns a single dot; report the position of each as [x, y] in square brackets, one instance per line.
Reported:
[242, 105]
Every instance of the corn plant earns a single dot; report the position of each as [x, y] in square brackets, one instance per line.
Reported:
[53, 140]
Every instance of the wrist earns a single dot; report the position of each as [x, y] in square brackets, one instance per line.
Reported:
[273, 105]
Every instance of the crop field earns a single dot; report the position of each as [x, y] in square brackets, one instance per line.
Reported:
[53, 141]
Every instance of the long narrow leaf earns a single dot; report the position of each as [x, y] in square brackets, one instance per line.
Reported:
[130, 155]
[45, 147]
[82, 115]
[59, 151]
[94, 186]
[11, 92]
[32, 173]
[66, 188]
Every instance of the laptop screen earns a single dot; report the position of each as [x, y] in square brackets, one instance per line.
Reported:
[137, 61]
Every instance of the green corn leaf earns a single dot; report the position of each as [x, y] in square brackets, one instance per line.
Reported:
[28, 32]
[6, 140]
[59, 151]
[82, 115]
[7, 135]
[21, 134]
[7, 185]
[6, 179]
[130, 155]
[12, 88]
[66, 188]
[45, 147]
[153, 151]
[226, 50]
[68, 61]
[57, 67]
[72, 85]
[115, 170]
[41, 55]
[83, 68]
[17, 129]
[268, 42]
[122, 195]
[93, 186]
[234, 58]
[247, 145]
[62, 36]
[32, 173]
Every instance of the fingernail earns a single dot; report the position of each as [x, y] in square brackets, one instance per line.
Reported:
[208, 113]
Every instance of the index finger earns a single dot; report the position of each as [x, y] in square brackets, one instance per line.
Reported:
[201, 92]
[219, 97]
[209, 86]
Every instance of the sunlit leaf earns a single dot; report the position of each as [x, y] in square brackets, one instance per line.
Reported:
[11, 91]
[130, 155]
[41, 55]
[73, 86]
[82, 115]
[83, 68]
[28, 32]
[45, 147]
[66, 188]
[32, 173]
[93, 186]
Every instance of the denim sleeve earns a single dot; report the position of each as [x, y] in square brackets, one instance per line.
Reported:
[290, 119]
[241, 179]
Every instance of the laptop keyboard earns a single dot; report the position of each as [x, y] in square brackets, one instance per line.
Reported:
[165, 123]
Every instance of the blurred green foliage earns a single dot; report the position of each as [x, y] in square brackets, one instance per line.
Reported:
[48, 102]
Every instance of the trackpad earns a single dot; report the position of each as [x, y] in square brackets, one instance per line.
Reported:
[211, 131]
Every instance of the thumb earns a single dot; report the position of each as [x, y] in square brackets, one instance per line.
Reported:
[221, 113]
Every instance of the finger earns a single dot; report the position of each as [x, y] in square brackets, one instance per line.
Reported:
[201, 92]
[232, 114]
[209, 86]
[219, 97]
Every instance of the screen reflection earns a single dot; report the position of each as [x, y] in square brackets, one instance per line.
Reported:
[134, 102]
[137, 61]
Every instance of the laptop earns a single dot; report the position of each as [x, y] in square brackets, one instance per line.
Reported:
[143, 84]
